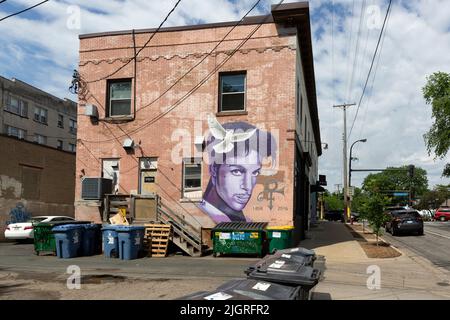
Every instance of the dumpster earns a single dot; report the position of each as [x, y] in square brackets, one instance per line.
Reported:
[110, 241]
[285, 271]
[239, 238]
[44, 239]
[279, 237]
[247, 289]
[130, 241]
[92, 241]
[68, 239]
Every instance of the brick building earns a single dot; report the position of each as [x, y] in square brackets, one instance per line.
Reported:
[35, 179]
[34, 115]
[244, 94]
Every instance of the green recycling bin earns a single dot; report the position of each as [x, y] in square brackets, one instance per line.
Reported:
[44, 239]
[239, 238]
[280, 237]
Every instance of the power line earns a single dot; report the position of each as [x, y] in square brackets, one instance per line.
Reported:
[371, 66]
[140, 50]
[203, 59]
[372, 84]
[195, 88]
[24, 10]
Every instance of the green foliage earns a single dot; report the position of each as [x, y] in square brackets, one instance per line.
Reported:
[334, 201]
[372, 210]
[386, 181]
[437, 93]
[434, 198]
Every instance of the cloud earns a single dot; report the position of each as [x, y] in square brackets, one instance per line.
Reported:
[39, 48]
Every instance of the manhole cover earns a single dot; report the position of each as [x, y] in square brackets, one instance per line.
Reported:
[101, 278]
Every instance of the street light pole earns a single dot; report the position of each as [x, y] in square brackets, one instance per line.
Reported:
[350, 167]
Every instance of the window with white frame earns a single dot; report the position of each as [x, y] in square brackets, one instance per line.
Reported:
[40, 139]
[15, 132]
[119, 97]
[192, 178]
[72, 126]
[60, 121]
[40, 115]
[17, 106]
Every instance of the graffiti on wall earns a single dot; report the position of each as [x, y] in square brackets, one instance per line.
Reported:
[236, 152]
[19, 214]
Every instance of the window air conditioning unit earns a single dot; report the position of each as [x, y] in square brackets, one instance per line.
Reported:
[95, 188]
[91, 111]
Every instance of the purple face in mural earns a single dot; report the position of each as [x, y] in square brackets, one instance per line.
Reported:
[236, 151]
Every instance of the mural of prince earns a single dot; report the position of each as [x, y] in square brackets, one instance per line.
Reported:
[236, 152]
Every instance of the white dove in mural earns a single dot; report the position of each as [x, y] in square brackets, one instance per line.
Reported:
[228, 136]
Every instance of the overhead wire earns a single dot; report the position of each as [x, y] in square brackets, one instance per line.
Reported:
[195, 88]
[22, 11]
[140, 50]
[371, 67]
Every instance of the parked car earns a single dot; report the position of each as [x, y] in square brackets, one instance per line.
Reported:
[442, 214]
[402, 221]
[334, 215]
[426, 215]
[24, 230]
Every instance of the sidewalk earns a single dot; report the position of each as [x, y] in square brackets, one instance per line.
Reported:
[345, 266]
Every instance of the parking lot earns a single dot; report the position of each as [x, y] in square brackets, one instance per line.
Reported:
[23, 275]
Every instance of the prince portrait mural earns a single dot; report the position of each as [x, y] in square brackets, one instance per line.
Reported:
[236, 152]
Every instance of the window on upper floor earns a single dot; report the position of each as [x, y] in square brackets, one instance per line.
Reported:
[16, 106]
[72, 126]
[119, 98]
[40, 115]
[72, 147]
[15, 132]
[40, 139]
[60, 144]
[232, 87]
[60, 121]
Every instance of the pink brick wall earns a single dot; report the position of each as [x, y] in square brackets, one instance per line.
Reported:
[269, 61]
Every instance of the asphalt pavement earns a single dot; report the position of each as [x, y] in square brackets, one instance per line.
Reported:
[434, 245]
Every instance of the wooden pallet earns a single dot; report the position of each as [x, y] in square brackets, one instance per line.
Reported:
[157, 237]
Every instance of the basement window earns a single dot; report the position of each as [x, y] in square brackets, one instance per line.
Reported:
[119, 97]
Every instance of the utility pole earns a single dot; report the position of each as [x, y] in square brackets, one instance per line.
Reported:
[344, 152]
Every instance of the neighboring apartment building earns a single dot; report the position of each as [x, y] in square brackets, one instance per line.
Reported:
[226, 133]
[35, 177]
[34, 115]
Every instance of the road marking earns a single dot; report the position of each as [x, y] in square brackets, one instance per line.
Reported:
[438, 234]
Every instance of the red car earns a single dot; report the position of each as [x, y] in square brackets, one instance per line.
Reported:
[442, 214]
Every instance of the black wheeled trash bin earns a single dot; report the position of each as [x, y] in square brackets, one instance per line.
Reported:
[285, 271]
[300, 254]
[91, 239]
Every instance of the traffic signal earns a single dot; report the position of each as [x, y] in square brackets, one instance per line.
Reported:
[411, 171]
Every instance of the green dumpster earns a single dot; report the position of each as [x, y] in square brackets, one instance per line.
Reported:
[280, 237]
[44, 240]
[239, 238]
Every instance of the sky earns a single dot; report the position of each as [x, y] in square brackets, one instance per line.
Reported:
[40, 47]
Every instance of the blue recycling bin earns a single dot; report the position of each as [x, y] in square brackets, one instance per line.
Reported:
[110, 241]
[68, 239]
[91, 239]
[130, 241]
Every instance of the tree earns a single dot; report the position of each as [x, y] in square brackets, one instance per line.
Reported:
[334, 201]
[396, 180]
[434, 198]
[437, 93]
[373, 211]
